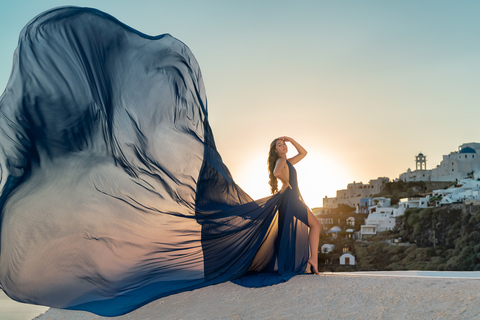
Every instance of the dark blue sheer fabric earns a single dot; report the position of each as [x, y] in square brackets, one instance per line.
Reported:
[112, 191]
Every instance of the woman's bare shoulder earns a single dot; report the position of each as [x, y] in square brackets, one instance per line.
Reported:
[281, 162]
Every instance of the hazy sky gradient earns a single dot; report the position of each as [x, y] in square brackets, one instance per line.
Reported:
[364, 86]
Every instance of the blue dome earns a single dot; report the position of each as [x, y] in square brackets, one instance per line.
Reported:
[467, 150]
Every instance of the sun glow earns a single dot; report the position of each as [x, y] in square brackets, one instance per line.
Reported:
[319, 175]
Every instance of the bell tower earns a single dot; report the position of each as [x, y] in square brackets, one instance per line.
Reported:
[421, 161]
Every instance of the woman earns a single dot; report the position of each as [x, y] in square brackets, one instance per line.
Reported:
[109, 165]
[281, 168]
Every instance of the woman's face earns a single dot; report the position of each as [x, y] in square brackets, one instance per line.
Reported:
[281, 147]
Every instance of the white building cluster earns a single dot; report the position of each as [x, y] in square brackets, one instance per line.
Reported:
[382, 216]
[354, 192]
[464, 190]
[454, 166]
[462, 166]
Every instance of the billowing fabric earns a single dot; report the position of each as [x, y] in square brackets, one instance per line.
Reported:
[112, 191]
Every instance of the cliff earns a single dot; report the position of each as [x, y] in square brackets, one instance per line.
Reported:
[445, 238]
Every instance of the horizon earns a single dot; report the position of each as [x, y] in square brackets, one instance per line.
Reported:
[363, 87]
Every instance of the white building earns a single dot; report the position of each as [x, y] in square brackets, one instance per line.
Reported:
[357, 190]
[379, 202]
[347, 259]
[330, 203]
[384, 221]
[325, 223]
[382, 216]
[327, 248]
[409, 203]
[466, 189]
[367, 230]
[350, 221]
[454, 166]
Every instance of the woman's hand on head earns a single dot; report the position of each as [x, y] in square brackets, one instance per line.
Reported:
[286, 139]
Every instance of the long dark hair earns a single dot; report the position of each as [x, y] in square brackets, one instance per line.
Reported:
[272, 161]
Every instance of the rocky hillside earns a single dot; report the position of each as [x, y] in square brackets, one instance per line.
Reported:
[446, 238]
[399, 189]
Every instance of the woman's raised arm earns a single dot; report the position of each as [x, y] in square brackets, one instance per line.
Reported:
[301, 150]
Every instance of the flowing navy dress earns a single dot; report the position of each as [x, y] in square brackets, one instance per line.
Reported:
[112, 191]
[290, 251]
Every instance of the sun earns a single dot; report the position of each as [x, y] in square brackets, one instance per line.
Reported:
[319, 175]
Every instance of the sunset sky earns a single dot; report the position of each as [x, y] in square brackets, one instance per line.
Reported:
[364, 86]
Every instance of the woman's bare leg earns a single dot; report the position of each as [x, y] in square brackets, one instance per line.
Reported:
[313, 239]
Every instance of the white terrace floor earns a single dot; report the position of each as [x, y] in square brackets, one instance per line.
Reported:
[416, 274]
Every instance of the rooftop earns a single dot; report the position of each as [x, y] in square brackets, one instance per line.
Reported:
[467, 150]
